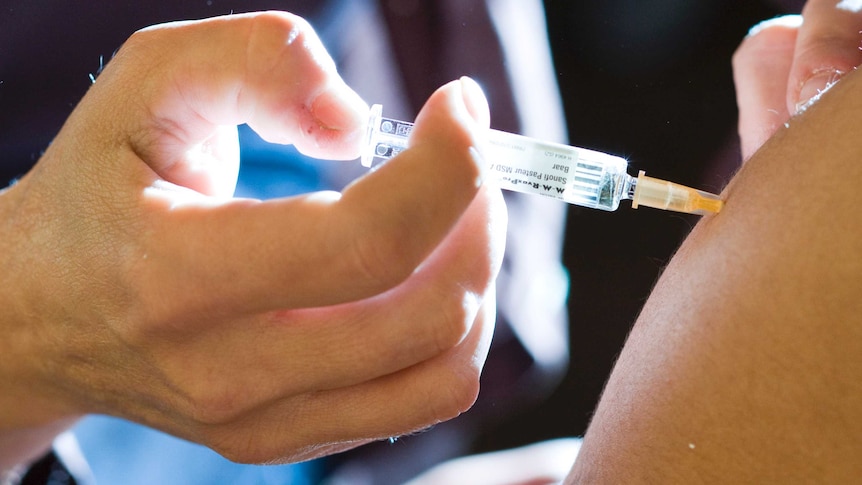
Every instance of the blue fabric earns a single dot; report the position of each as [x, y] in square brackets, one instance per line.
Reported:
[132, 459]
[269, 171]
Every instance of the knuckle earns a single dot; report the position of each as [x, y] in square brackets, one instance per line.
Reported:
[137, 39]
[457, 312]
[279, 25]
[151, 41]
[142, 37]
[377, 263]
[469, 391]
[461, 391]
[248, 443]
[211, 412]
[236, 447]
[211, 403]
[277, 33]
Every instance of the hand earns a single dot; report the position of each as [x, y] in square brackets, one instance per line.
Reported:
[134, 285]
[785, 64]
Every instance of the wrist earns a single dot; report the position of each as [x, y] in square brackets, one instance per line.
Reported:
[31, 414]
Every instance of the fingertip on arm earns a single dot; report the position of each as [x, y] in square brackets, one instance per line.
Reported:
[827, 48]
[764, 35]
[761, 66]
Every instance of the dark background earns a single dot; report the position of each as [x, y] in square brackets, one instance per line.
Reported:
[650, 81]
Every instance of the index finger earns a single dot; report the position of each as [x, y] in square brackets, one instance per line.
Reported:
[171, 86]
[827, 47]
[323, 249]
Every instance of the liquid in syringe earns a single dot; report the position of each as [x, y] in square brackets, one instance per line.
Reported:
[578, 176]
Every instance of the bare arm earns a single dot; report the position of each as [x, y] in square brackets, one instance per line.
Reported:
[745, 364]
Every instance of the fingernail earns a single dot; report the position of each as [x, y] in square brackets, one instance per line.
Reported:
[339, 109]
[815, 86]
[475, 101]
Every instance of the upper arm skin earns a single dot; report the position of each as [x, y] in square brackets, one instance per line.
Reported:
[745, 365]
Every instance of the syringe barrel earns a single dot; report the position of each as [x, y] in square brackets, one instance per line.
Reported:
[575, 175]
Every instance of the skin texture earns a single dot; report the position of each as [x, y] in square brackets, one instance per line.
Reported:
[744, 365]
[134, 285]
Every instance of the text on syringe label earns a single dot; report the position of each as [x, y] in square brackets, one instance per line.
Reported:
[545, 170]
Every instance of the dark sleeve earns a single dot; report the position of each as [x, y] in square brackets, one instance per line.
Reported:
[49, 470]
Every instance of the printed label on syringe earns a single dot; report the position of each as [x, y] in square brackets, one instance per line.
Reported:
[541, 167]
[513, 178]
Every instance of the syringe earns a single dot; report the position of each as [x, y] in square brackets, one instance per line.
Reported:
[575, 175]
